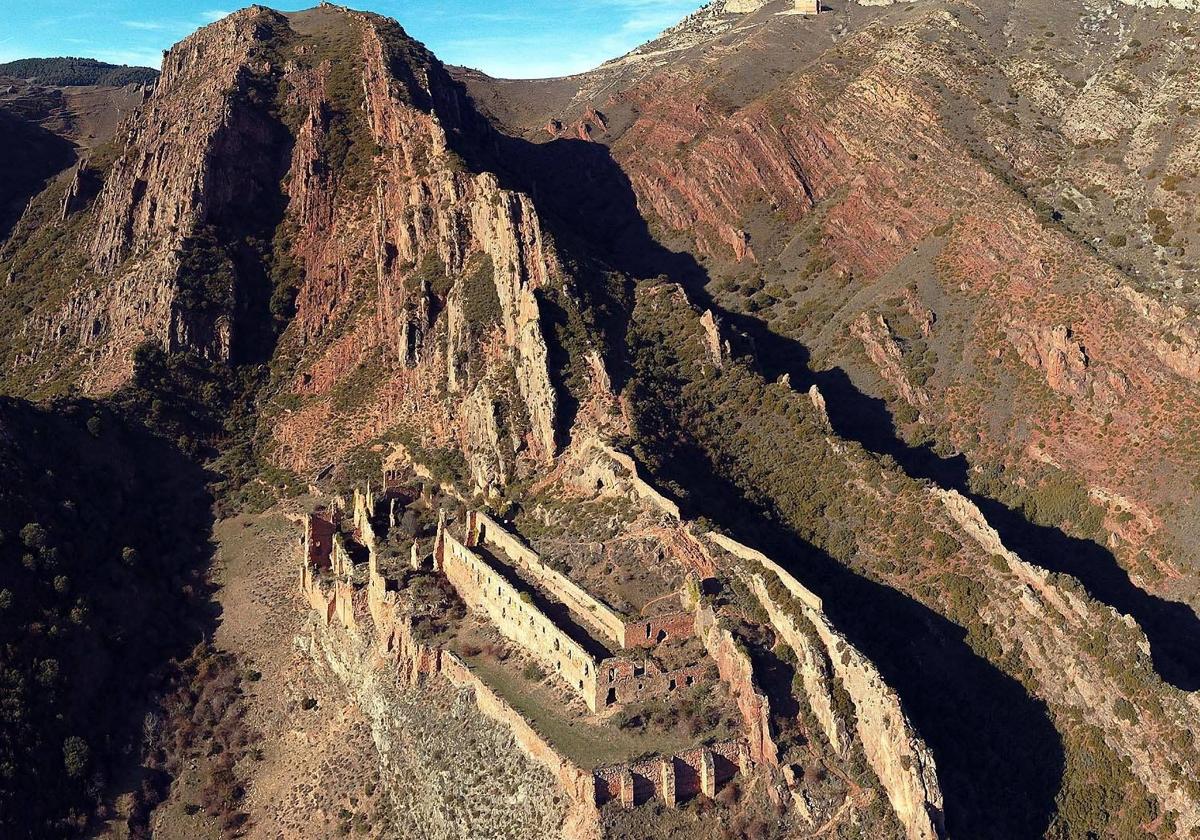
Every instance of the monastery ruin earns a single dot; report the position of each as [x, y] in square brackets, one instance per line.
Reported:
[433, 602]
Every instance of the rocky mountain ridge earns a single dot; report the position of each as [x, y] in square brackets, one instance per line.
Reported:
[791, 153]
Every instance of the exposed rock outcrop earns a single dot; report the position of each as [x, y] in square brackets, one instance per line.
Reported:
[430, 735]
[897, 754]
[340, 161]
[1171, 332]
[1058, 353]
[1046, 607]
[178, 173]
[884, 353]
[430, 223]
[712, 338]
[737, 671]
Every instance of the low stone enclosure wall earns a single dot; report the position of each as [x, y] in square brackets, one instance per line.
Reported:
[896, 753]
[672, 779]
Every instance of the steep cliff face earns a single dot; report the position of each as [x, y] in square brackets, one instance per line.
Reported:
[313, 200]
[193, 175]
[1012, 180]
[451, 260]
[174, 173]
[842, 513]
[298, 187]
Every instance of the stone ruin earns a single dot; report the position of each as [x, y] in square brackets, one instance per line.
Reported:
[743, 7]
[578, 654]
[596, 652]
[601, 656]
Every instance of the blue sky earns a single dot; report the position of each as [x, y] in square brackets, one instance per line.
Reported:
[509, 38]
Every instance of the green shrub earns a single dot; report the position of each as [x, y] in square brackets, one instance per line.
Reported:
[70, 71]
[1125, 711]
[76, 756]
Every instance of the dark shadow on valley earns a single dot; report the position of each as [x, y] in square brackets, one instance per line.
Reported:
[30, 156]
[1172, 628]
[994, 744]
[128, 521]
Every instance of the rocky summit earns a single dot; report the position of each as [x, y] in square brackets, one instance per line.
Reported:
[787, 429]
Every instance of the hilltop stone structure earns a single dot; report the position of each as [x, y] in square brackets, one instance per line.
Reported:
[607, 659]
[344, 580]
[601, 680]
[743, 7]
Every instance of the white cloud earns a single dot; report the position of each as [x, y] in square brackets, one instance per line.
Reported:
[148, 25]
[215, 14]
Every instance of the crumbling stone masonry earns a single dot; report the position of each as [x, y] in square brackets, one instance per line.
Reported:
[897, 754]
[600, 681]
[737, 671]
[674, 778]
[486, 590]
[622, 631]
[341, 581]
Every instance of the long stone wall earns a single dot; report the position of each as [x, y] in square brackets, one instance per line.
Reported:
[899, 757]
[815, 667]
[430, 738]
[483, 529]
[486, 590]
[623, 632]
[579, 784]
[666, 778]
[672, 779]
[745, 552]
[614, 470]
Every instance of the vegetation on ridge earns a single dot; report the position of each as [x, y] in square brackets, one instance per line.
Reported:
[77, 71]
